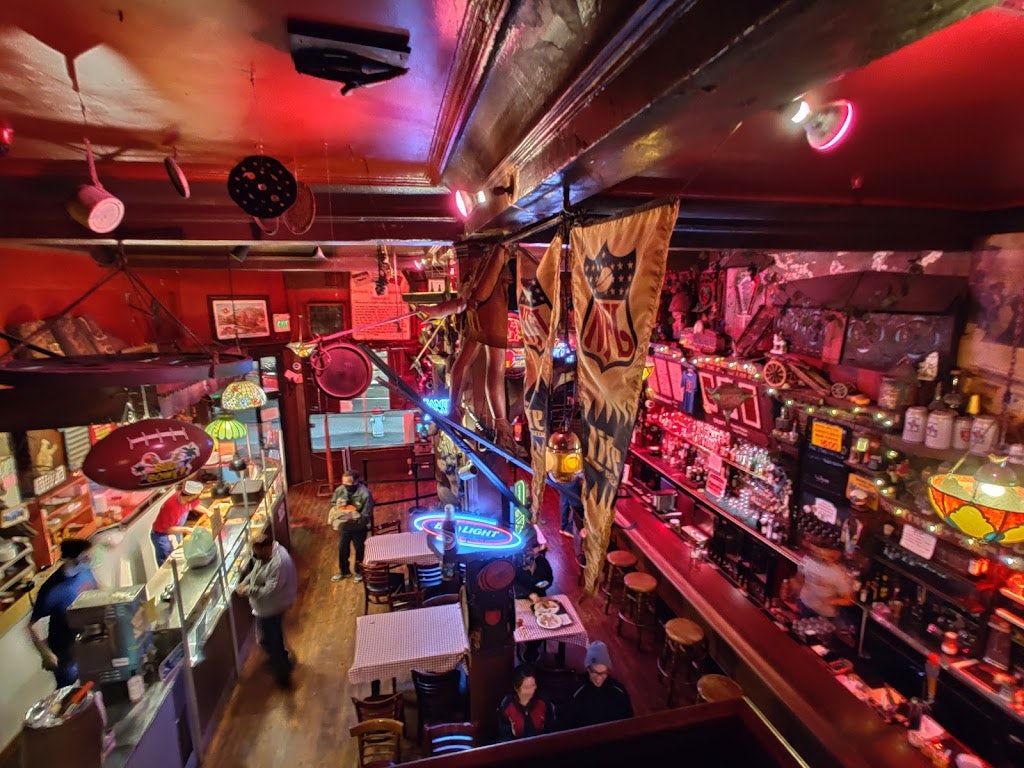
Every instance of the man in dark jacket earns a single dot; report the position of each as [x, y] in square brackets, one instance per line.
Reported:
[352, 502]
[601, 698]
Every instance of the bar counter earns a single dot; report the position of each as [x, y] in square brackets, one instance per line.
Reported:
[825, 724]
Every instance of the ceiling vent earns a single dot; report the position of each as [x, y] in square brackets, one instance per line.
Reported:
[347, 55]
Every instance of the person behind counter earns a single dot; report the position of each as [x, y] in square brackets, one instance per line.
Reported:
[170, 520]
[55, 597]
[821, 583]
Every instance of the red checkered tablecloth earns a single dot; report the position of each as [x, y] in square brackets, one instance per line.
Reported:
[390, 644]
[574, 632]
[400, 549]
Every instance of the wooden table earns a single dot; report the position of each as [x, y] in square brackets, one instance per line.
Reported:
[392, 644]
[527, 628]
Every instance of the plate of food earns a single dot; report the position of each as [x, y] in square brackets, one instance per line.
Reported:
[546, 606]
[548, 621]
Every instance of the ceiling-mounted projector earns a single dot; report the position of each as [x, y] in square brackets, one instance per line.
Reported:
[347, 55]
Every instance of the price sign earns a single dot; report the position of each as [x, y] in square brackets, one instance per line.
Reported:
[825, 511]
[715, 463]
[917, 541]
[827, 436]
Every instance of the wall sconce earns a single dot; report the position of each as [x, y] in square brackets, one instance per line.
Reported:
[826, 126]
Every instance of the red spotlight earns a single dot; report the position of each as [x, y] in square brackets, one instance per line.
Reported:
[830, 125]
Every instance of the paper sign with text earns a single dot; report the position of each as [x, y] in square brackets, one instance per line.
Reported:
[917, 541]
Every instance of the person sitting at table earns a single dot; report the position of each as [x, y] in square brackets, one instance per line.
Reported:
[533, 577]
[525, 712]
[533, 571]
[601, 698]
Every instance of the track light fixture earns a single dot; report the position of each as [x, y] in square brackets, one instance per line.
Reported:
[239, 253]
[465, 201]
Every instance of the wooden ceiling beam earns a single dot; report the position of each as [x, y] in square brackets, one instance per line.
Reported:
[697, 73]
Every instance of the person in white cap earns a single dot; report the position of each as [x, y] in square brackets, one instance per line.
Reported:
[170, 520]
[601, 698]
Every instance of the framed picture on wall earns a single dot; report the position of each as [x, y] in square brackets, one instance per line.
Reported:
[240, 317]
[326, 318]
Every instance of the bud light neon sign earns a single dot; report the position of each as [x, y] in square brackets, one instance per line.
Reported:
[474, 534]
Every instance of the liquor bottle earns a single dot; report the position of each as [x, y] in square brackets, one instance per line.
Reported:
[883, 589]
[450, 544]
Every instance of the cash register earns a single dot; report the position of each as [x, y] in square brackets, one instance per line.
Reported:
[113, 633]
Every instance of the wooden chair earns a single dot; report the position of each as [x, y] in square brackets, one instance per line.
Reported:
[450, 598]
[380, 742]
[428, 577]
[389, 706]
[406, 601]
[449, 738]
[558, 684]
[438, 698]
[392, 526]
[379, 583]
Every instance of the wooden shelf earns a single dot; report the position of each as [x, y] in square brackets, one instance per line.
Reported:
[920, 449]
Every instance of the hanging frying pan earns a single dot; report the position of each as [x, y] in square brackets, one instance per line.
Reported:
[268, 226]
[341, 370]
[299, 217]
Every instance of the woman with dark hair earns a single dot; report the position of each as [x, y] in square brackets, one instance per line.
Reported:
[524, 712]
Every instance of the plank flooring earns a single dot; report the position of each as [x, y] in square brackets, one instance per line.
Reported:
[308, 726]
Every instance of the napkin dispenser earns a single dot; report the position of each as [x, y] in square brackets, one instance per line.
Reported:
[664, 501]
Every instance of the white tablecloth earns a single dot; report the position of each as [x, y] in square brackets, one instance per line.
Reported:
[391, 644]
[574, 632]
[400, 549]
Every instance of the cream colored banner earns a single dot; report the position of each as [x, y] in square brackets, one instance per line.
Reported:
[618, 268]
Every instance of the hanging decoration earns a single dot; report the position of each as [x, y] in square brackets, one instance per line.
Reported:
[618, 268]
[148, 454]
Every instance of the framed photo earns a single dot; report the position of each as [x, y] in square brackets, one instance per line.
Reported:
[326, 318]
[240, 317]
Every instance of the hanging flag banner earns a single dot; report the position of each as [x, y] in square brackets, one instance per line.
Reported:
[538, 299]
[618, 268]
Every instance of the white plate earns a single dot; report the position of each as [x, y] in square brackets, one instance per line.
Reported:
[548, 621]
[547, 606]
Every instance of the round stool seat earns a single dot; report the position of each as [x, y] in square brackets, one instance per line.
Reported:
[718, 688]
[640, 582]
[684, 632]
[620, 558]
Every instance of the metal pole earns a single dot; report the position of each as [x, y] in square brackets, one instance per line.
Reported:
[190, 684]
[227, 601]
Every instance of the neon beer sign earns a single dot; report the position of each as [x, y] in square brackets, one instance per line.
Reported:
[474, 534]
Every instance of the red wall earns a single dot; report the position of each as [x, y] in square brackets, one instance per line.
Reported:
[40, 284]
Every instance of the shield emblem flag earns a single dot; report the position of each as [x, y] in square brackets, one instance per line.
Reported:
[617, 276]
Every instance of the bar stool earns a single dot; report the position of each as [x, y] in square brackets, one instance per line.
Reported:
[616, 564]
[637, 607]
[683, 652]
[718, 688]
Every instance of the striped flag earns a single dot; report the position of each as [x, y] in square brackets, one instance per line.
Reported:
[539, 305]
[618, 268]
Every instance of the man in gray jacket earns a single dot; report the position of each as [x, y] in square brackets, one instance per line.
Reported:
[271, 586]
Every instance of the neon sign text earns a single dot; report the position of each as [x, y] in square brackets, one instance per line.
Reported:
[473, 533]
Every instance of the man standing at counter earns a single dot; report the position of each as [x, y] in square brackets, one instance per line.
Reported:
[271, 587]
[170, 520]
[352, 516]
[55, 597]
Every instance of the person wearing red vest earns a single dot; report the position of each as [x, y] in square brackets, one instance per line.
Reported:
[524, 712]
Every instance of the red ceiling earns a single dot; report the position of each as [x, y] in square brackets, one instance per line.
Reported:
[938, 123]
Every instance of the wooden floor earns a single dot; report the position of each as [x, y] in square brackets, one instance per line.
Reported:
[308, 726]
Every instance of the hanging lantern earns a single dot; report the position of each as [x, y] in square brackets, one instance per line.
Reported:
[563, 457]
[988, 505]
[239, 395]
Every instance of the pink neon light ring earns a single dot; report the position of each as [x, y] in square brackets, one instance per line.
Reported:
[845, 123]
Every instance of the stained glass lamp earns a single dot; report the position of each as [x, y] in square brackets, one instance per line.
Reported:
[988, 505]
[239, 395]
[224, 427]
